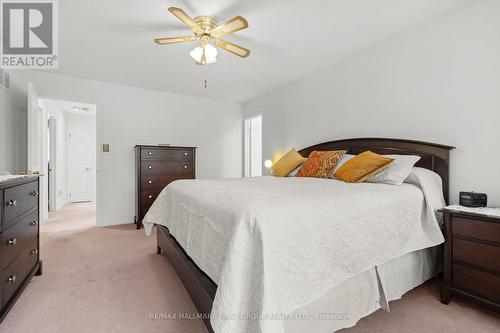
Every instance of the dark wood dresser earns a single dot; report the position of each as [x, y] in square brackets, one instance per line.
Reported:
[471, 257]
[156, 167]
[19, 238]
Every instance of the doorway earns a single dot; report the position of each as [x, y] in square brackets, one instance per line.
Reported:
[253, 146]
[64, 151]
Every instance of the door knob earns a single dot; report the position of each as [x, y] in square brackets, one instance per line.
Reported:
[12, 203]
[34, 251]
[34, 193]
[33, 223]
[11, 279]
[12, 242]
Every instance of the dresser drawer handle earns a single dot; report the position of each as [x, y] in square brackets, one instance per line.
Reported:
[12, 203]
[150, 153]
[12, 242]
[34, 251]
[149, 167]
[185, 167]
[11, 279]
[34, 193]
[33, 223]
[150, 196]
[150, 181]
[185, 154]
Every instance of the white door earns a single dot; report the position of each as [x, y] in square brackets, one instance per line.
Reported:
[80, 161]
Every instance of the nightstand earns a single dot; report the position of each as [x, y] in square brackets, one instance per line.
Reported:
[472, 254]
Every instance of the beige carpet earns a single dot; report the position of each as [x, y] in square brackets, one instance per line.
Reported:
[111, 280]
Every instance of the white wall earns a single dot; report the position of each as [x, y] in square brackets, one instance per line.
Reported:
[127, 116]
[439, 82]
[12, 132]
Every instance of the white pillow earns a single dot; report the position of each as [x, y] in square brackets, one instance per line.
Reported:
[397, 171]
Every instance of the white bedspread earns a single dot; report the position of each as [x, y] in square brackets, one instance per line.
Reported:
[274, 245]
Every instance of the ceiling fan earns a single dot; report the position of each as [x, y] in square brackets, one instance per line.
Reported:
[209, 32]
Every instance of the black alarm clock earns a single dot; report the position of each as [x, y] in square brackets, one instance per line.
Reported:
[473, 199]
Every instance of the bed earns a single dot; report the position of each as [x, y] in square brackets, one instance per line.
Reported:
[293, 254]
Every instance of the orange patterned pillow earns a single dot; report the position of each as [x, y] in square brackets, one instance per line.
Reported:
[320, 164]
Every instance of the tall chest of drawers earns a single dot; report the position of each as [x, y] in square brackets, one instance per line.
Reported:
[156, 167]
[19, 238]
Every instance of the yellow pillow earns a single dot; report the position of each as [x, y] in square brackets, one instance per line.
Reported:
[287, 163]
[362, 166]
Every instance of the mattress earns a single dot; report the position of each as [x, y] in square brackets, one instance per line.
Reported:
[308, 236]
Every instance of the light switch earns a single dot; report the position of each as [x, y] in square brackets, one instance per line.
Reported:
[105, 148]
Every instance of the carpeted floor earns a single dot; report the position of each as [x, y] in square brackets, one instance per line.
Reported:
[111, 280]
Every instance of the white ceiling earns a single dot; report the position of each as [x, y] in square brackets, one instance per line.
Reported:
[68, 107]
[112, 40]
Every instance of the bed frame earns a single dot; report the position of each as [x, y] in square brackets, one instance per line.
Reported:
[202, 289]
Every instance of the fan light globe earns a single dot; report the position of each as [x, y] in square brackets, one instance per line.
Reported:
[210, 54]
[268, 164]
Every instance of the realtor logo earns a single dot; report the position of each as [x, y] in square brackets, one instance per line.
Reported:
[29, 31]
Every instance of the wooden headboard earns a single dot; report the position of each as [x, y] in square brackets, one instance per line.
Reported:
[434, 156]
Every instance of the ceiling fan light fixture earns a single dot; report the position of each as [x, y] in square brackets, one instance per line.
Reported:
[209, 32]
[210, 54]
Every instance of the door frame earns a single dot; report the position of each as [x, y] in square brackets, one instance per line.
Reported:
[97, 136]
[52, 167]
[247, 146]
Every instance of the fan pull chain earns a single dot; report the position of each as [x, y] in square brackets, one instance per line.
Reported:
[205, 81]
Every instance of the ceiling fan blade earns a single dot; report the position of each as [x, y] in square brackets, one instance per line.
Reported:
[233, 48]
[172, 40]
[181, 15]
[235, 24]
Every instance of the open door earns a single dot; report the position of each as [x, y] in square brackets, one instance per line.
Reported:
[37, 145]
[35, 122]
[52, 144]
